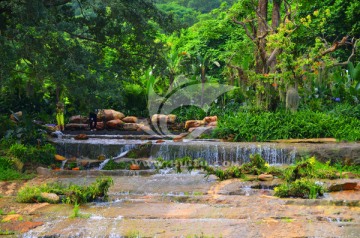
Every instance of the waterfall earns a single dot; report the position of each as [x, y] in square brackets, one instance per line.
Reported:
[102, 165]
[63, 164]
[123, 151]
[220, 153]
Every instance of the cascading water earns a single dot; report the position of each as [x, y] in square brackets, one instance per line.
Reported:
[123, 151]
[63, 164]
[216, 153]
[102, 165]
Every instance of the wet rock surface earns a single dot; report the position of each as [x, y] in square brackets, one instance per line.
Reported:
[184, 205]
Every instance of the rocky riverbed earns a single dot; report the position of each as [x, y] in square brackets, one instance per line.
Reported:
[183, 205]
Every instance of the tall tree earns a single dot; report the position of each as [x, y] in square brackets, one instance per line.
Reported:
[68, 48]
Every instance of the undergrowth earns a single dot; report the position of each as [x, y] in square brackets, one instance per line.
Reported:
[266, 126]
[72, 193]
[299, 179]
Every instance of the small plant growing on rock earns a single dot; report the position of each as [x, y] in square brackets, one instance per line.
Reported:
[257, 165]
[303, 188]
[310, 168]
[72, 194]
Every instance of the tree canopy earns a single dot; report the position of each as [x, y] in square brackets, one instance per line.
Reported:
[97, 54]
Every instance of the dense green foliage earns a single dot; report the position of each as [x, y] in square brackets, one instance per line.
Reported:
[303, 188]
[32, 155]
[104, 54]
[299, 179]
[112, 165]
[72, 193]
[266, 126]
[10, 169]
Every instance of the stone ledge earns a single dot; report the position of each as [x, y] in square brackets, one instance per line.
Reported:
[49, 172]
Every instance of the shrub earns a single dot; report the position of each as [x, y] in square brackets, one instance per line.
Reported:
[33, 154]
[310, 168]
[73, 194]
[257, 165]
[112, 165]
[266, 126]
[11, 174]
[10, 169]
[302, 188]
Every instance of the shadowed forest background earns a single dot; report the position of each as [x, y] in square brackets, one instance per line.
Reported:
[295, 64]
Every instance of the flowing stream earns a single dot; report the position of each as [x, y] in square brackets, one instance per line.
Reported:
[214, 152]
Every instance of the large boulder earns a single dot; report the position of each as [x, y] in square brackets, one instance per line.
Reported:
[130, 119]
[109, 114]
[100, 125]
[171, 118]
[50, 197]
[213, 123]
[161, 118]
[130, 126]
[114, 124]
[59, 158]
[194, 123]
[265, 177]
[210, 119]
[144, 128]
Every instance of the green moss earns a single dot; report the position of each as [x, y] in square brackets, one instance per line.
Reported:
[112, 165]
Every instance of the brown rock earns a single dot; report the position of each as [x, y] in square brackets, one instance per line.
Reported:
[27, 226]
[109, 114]
[50, 197]
[341, 186]
[180, 137]
[265, 177]
[144, 128]
[59, 158]
[130, 126]
[78, 119]
[43, 171]
[134, 167]
[156, 118]
[76, 126]
[159, 141]
[348, 175]
[194, 123]
[171, 118]
[11, 217]
[113, 124]
[192, 129]
[81, 137]
[210, 119]
[130, 119]
[100, 125]
[213, 123]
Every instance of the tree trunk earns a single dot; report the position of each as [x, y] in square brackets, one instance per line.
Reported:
[275, 18]
[262, 30]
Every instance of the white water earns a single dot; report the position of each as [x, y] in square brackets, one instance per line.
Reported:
[124, 150]
[102, 165]
[63, 164]
[225, 155]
